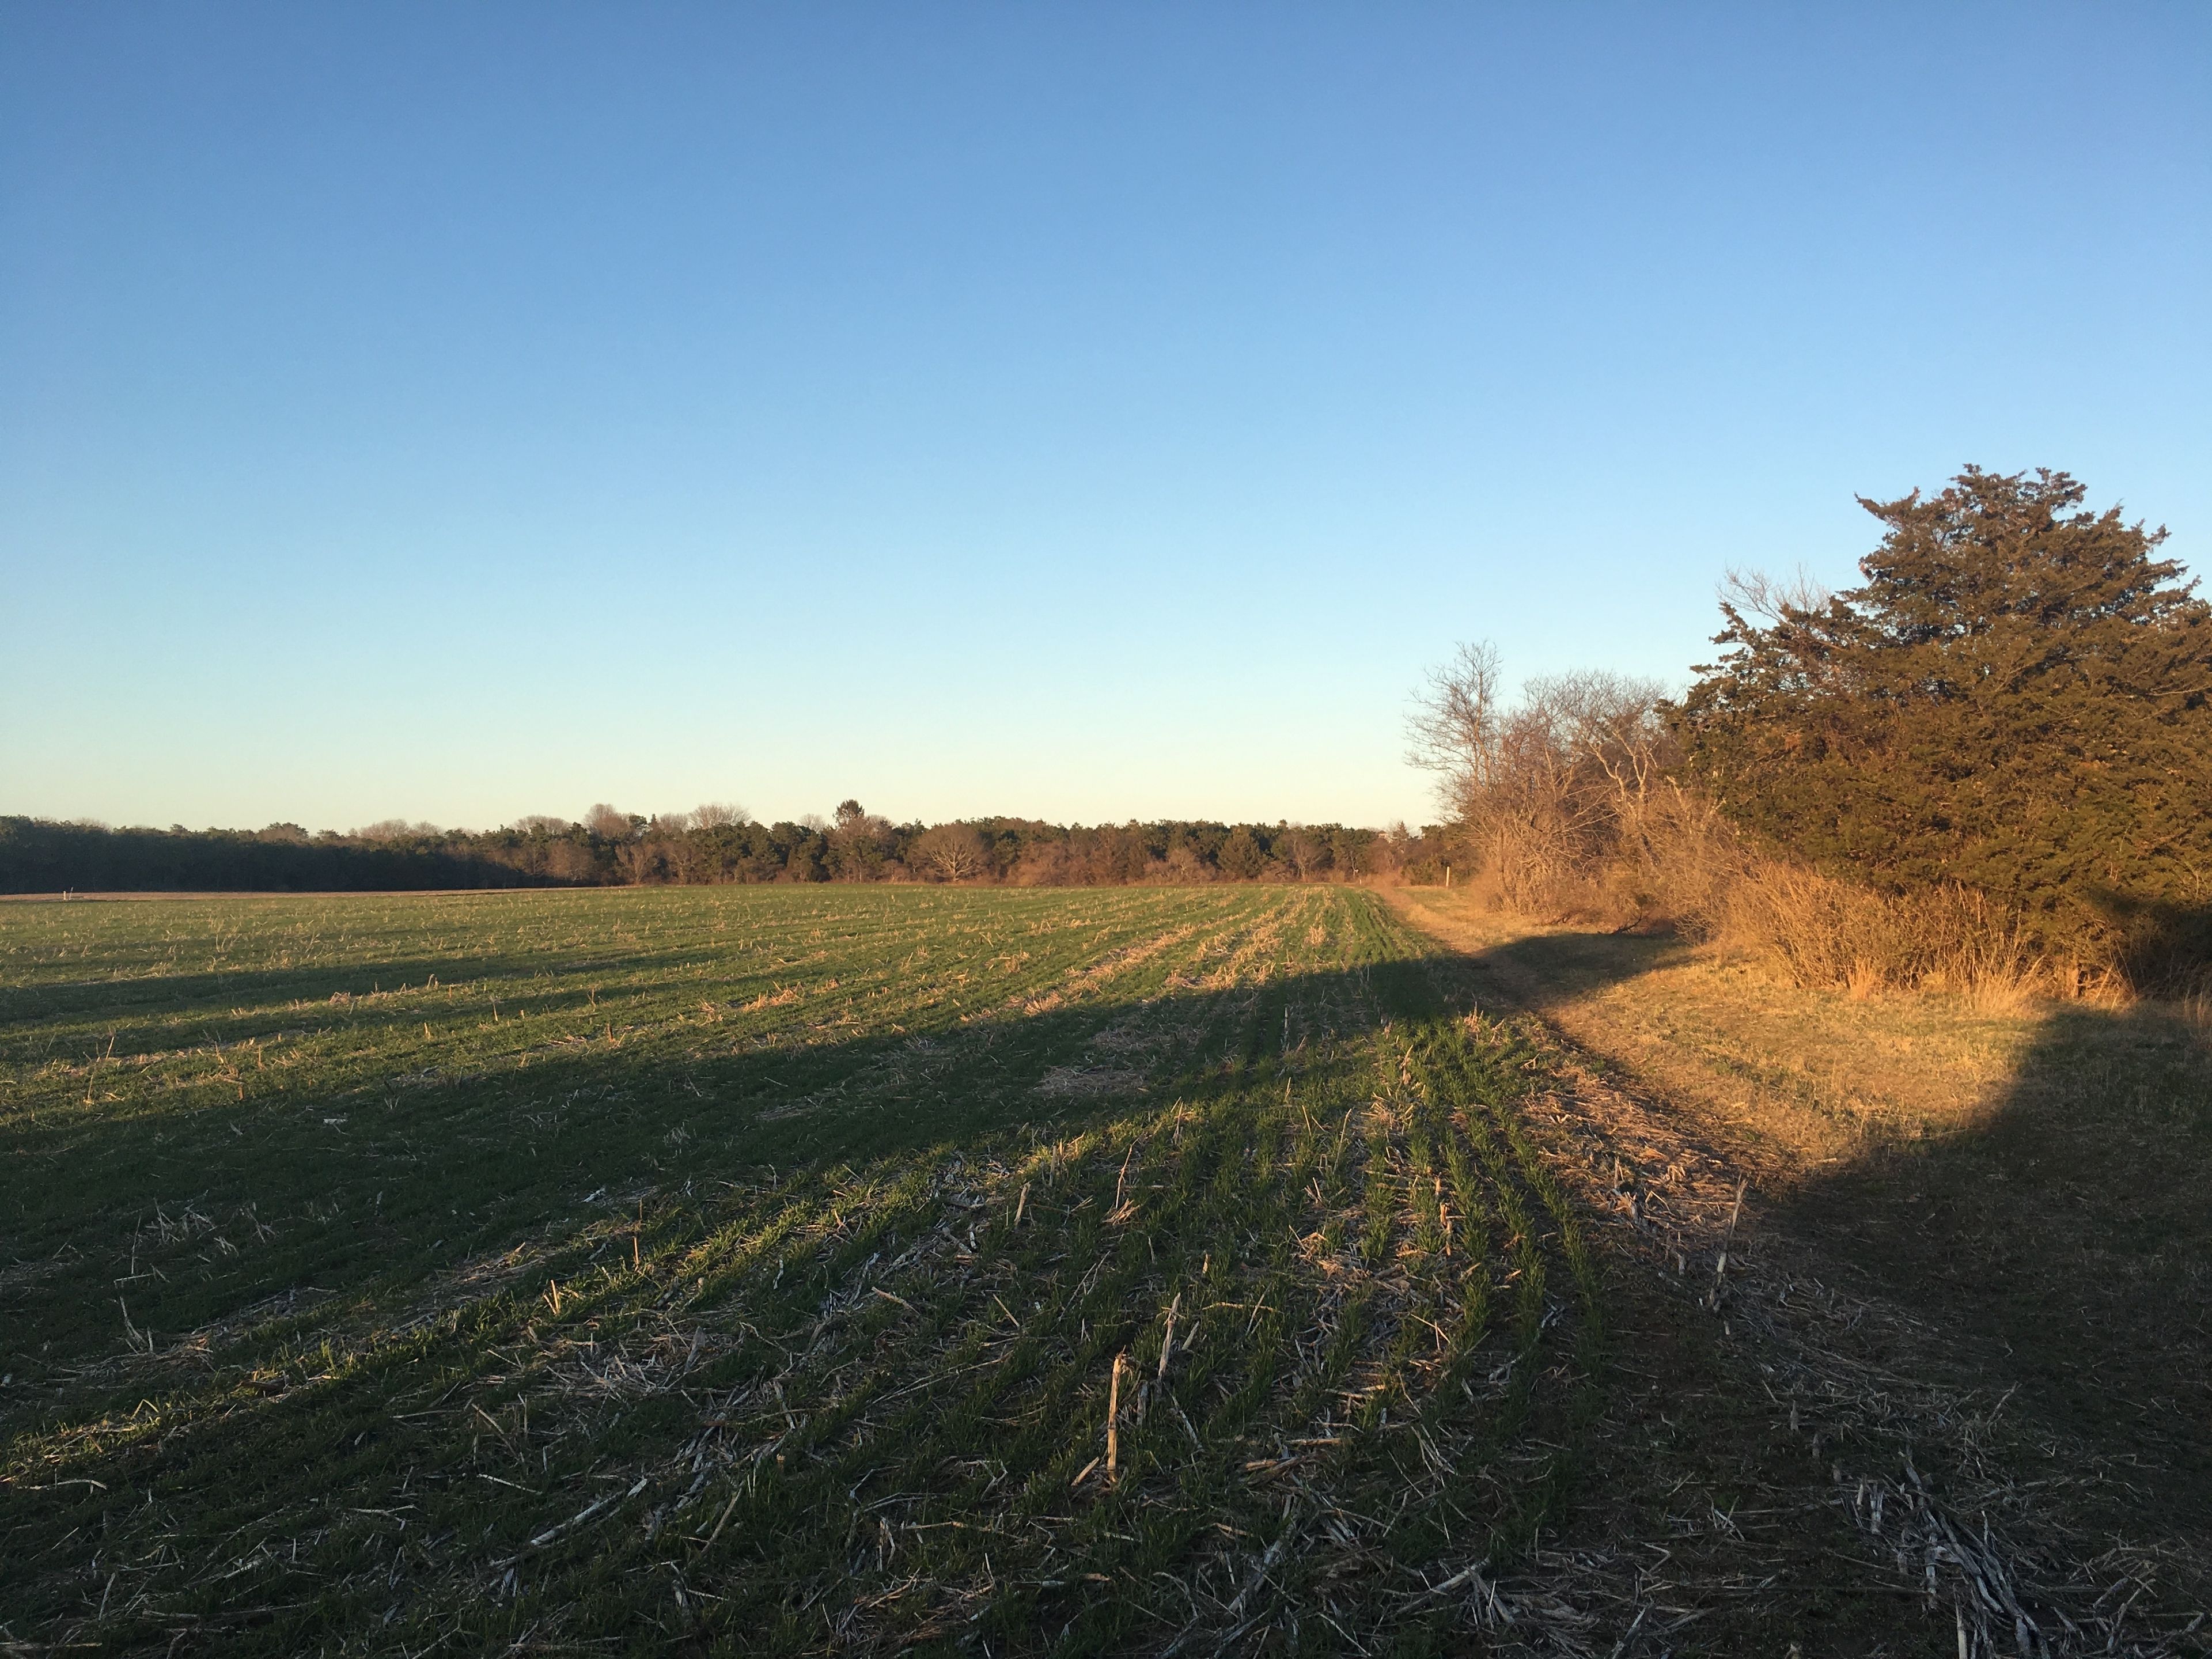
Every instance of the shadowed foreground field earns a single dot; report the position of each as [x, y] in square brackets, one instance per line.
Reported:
[751, 1271]
[1228, 1270]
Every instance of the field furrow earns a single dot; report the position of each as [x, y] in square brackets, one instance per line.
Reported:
[772, 1271]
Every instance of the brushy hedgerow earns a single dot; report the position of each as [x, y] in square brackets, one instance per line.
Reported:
[1986, 768]
[2016, 702]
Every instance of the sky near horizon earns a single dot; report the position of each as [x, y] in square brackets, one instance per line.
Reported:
[1086, 413]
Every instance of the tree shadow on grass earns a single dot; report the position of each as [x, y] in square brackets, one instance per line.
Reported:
[2064, 1246]
[2058, 1242]
[387, 1418]
[2058, 1249]
[368, 1185]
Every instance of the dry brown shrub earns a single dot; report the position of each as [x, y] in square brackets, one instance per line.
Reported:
[1566, 804]
[1694, 871]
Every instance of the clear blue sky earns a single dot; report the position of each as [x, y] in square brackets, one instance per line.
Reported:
[1084, 411]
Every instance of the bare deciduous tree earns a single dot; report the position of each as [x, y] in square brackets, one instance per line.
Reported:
[397, 830]
[608, 823]
[567, 861]
[1306, 853]
[1773, 599]
[1542, 792]
[953, 852]
[1454, 727]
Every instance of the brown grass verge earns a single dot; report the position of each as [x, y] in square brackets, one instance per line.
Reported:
[1968, 1281]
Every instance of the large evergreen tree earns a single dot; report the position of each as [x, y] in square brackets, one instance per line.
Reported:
[2018, 700]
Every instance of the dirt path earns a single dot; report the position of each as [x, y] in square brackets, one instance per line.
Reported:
[1806, 1463]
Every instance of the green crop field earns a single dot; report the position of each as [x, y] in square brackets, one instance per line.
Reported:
[770, 1270]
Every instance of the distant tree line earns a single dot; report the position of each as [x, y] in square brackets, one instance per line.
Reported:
[711, 845]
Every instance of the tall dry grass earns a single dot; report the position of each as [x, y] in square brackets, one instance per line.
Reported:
[1686, 865]
[1674, 860]
[1827, 933]
[1569, 805]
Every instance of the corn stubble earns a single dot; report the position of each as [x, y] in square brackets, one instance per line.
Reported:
[778, 1271]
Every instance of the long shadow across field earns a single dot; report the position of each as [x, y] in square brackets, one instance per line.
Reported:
[371, 1186]
[366, 1197]
[2064, 1242]
[2066, 1238]
[2064, 1246]
[2061, 1248]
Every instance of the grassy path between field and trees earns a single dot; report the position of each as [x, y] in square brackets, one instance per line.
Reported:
[853, 1268]
[1968, 1254]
